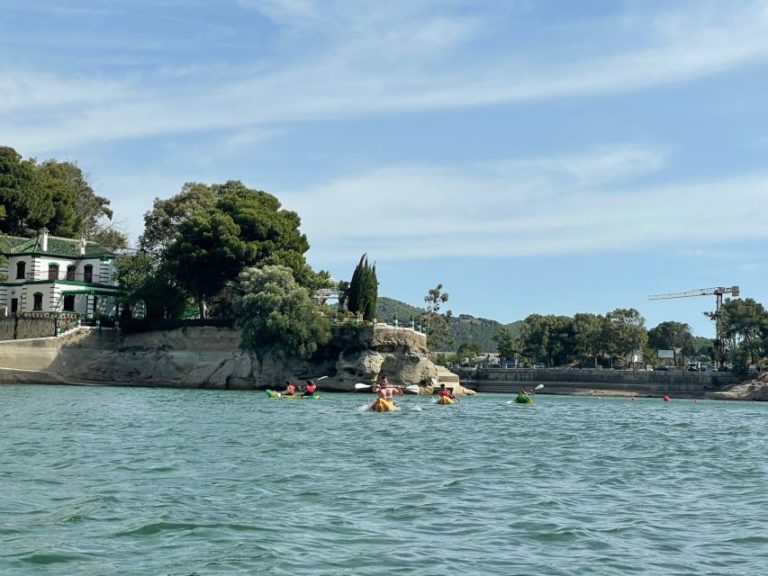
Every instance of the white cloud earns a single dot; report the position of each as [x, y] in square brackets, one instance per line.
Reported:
[401, 56]
[508, 211]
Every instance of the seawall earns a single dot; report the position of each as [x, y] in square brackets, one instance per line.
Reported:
[598, 382]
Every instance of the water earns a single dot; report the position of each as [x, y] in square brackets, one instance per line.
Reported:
[97, 481]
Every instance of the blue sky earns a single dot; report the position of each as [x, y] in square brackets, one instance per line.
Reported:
[533, 156]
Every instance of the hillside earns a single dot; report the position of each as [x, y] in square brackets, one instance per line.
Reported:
[464, 328]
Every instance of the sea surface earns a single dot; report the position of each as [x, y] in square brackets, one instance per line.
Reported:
[102, 481]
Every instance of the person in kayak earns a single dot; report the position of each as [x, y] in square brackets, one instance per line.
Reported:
[447, 392]
[290, 389]
[386, 391]
[309, 389]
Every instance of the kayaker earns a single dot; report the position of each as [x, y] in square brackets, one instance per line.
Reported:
[290, 389]
[387, 391]
[443, 391]
[309, 389]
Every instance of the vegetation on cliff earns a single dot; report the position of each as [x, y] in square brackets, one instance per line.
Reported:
[277, 315]
[363, 290]
[195, 244]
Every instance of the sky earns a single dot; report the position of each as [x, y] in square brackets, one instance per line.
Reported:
[532, 156]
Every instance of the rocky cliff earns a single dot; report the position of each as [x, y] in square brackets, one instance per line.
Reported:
[207, 357]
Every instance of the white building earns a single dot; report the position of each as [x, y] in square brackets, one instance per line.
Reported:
[51, 274]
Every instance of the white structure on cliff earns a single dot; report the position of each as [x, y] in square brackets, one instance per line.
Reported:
[51, 274]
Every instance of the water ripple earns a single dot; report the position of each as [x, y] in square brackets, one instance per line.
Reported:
[193, 482]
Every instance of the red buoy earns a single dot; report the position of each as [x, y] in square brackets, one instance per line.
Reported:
[666, 398]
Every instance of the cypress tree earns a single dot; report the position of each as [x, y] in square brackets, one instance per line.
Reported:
[363, 289]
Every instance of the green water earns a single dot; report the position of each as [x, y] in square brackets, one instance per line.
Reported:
[97, 481]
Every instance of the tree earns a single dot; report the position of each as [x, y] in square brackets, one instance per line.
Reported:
[625, 331]
[675, 336]
[26, 201]
[506, 344]
[468, 350]
[143, 281]
[589, 330]
[277, 315]
[744, 325]
[437, 325]
[534, 337]
[207, 253]
[55, 195]
[161, 224]
[78, 210]
[363, 290]
[209, 234]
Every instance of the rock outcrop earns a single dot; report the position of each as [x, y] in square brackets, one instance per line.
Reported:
[208, 357]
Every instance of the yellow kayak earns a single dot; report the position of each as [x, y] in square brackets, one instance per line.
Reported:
[445, 400]
[381, 405]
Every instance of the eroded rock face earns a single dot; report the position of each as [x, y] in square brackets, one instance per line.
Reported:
[207, 357]
[400, 354]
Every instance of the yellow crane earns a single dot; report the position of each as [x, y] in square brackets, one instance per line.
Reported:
[718, 293]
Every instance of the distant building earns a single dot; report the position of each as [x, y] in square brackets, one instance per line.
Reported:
[51, 274]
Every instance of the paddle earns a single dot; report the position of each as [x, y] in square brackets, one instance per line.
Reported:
[413, 388]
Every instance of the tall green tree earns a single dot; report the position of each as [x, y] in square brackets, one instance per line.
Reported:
[506, 344]
[26, 201]
[534, 337]
[198, 225]
[670, 335]
[52, 194]
[744, 324]
[207, 253]
[625, 331]
[363, 291]
[589, 330]
[161, 224]
[438, 325]
[277, 315]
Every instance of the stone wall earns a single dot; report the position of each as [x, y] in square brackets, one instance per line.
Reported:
[651, 383]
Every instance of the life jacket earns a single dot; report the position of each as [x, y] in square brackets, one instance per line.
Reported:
[311, 388]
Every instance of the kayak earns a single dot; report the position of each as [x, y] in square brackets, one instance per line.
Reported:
[445, 400]
[524, 399]
[381, 405]
[281, 396]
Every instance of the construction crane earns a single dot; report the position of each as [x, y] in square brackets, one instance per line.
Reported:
[718, 293]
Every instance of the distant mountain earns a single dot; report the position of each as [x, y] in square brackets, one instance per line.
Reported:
[464, 328]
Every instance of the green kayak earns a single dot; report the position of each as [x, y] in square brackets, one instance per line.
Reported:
[281, 396]
[524, 399]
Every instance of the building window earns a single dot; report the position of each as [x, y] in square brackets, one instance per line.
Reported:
[71, 272]
[53, 272]
[69, 303]
[88, 273]
[21, 270]
[37, 305]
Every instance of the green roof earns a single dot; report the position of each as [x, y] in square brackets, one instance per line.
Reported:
[63, 247]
